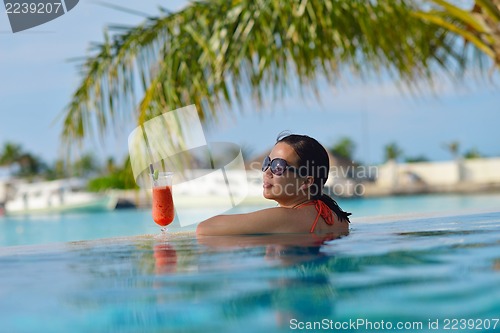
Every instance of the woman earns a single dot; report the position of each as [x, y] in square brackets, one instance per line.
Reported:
[295, 173]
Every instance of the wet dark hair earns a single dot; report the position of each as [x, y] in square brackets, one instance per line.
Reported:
[313, 161]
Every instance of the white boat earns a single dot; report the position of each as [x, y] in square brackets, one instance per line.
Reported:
[65, 195]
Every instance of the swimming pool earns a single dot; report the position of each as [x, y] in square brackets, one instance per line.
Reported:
[410, 274]
[417, 272]
[43, 229]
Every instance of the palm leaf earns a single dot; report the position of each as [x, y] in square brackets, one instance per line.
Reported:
[490, 9]
[469, 36]
[464, 16]
[214, 53]
[480, 26]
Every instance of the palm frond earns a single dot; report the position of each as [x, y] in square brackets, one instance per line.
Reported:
[479, 26]
[214, 53]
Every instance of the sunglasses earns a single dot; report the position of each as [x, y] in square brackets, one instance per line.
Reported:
[278, 166]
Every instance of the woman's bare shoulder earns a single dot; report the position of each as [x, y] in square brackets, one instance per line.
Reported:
[268, 220]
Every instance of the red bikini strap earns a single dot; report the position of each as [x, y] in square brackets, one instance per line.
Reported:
[324, 211]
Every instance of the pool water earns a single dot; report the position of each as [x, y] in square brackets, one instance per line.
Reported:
[44, 229]
[419, 272]
[73, 272]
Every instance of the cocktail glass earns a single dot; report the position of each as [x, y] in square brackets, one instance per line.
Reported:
[163, 204]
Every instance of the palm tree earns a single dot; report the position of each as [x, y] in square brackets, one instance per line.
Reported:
[30, 165]
[479, 26]
[10, 154]
[213, 53]
[454, 149]
[110, 165]
[85, 165]
[58, 170]
[392, 152]
[344, 148]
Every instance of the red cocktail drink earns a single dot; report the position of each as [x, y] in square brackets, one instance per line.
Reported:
[163, 205]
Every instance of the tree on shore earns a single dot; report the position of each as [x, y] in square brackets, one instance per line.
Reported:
[85, 166]
[392, 152]
[453, 148]
[416, 159]
[10, 154]
[19, 162]
[344, 148]
[122, 177]
[472, 154]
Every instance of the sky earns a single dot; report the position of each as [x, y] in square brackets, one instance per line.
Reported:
[37, 79]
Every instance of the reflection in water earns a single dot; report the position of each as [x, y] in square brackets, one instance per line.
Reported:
[165, 258]
[289, 254]
[297, 288]
[496, 264]
[406, 270]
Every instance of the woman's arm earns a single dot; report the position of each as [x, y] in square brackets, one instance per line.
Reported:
[266, 221]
